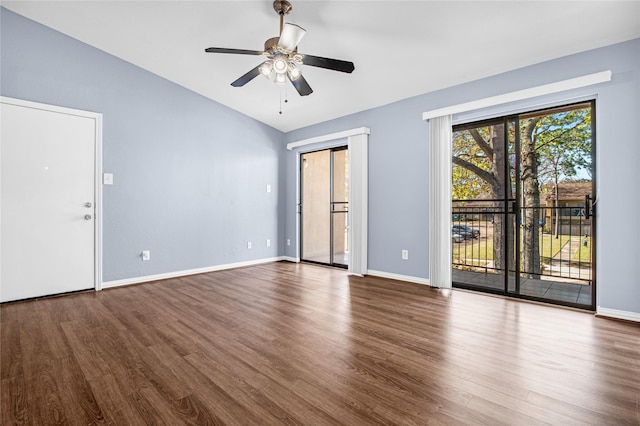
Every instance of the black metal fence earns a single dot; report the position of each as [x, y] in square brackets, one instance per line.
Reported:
[560, 235]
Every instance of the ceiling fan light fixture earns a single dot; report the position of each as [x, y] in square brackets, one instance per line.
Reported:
[266, 68]
[280, 64]
[293, 71]
[282, 61]
[280, 78]
[290, 37]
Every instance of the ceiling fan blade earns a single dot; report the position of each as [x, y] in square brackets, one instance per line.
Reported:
[328, 63]
[290, 37]
[247, 77]
[237, 51]
[302, 86]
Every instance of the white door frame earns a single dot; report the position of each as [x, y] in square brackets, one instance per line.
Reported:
[357, 143]
[97, 117]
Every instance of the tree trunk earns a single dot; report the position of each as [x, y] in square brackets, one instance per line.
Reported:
[530, 265]
[501, 184]
[556, 230]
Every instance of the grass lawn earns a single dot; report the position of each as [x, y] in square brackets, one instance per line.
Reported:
[584, 254]
[483, 249]
[550, 245]
[474, 249]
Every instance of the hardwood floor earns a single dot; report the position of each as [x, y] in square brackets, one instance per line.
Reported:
[284, 343]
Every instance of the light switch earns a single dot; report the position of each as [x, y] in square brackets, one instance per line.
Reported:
[108, 179]
[268, 188]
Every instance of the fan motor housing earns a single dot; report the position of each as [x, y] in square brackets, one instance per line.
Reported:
[271, 44]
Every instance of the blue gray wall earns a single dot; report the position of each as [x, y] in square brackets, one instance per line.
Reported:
[398, 178]
[190, 174]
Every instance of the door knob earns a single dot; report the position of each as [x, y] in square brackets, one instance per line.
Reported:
[87, 205]
[87, 217]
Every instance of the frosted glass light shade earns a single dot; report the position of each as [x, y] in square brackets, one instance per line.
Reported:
[280, 64]
[280, 78]
[266, 68]
[294, 72]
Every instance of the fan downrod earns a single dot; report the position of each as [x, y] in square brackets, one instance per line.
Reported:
[282, 7]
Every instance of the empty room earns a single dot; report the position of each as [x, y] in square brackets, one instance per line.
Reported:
[319, 212]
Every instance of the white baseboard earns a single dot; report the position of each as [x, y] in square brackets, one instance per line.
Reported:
[615, 313]
[147, 278]
[290, 259]
[399, 277]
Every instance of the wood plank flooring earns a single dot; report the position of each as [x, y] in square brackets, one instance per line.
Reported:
[286, 343]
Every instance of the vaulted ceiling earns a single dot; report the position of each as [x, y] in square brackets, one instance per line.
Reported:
[400, 48]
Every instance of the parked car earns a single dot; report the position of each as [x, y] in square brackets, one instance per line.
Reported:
[466, 231]
[457, 238]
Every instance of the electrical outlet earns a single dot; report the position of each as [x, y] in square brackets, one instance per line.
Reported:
[268, 243]
[405, 254]
[249, 244]
[268, 188]
[288, 242]
[146, 255]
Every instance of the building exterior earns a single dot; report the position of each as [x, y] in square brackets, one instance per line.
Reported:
[569, 209]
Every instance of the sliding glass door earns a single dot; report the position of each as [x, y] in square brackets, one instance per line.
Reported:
[522, 211]
[324, 206]
[482, 205]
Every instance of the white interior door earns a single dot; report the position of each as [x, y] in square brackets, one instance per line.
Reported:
[48, 200]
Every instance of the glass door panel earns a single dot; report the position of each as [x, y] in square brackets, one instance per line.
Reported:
[556, 184]
[480, 206]
[340, 207]
[324, 206]
[315, 202]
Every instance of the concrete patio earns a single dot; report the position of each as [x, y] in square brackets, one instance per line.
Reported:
[556, 289]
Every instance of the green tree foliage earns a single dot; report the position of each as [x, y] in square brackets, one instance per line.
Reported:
[563, 147]
[467, 183]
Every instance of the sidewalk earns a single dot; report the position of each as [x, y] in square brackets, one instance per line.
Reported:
[562, 264]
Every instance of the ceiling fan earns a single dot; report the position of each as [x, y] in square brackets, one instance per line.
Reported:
[283, 59]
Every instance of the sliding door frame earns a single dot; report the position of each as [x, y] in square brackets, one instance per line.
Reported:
[331, 206]
[513, 207]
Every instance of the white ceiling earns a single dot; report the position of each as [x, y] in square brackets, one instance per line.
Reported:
[400, 48]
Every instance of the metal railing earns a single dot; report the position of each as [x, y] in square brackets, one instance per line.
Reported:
[564, 242]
